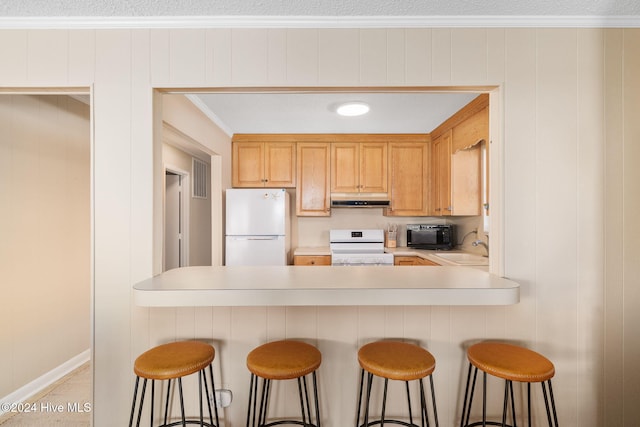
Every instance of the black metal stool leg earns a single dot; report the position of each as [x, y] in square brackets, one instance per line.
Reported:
[133, 404]
[184, 422]
[213, 392]
[360, 397]
[315, 393]
[409, 402]
[433, 401]
[144, 388]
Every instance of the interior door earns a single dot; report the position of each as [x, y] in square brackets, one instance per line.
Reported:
[173, 221]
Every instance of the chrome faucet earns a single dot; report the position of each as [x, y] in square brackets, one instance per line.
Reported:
[481, 243]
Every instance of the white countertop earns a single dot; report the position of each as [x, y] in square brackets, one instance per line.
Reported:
[323, 285]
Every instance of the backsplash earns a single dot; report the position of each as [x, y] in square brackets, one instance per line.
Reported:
[314, 231]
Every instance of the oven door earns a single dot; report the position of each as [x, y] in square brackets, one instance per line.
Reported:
[362, 259]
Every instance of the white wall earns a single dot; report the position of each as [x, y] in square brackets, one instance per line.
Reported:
[45, 243]
[570, 198]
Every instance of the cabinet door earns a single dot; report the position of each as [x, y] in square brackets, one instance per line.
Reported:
[441, 177]
[247, 164]
[313, 170]
[312, 260]
[408, 178]
[280, 164]
[373, 167]
[345, 167]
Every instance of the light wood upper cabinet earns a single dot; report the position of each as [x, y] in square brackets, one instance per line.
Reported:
[359, 167]
[441, 175]
[408, 178]
[264, 164]
[456, 180]
[313, 170]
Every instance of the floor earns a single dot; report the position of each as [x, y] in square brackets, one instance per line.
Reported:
[67, 403]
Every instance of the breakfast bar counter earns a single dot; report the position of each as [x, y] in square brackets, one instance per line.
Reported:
[325, 286]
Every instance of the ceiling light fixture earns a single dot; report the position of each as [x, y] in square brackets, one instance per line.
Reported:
[352, 109]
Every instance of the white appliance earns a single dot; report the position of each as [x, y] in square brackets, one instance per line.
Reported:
[358, 247]
[257, 230]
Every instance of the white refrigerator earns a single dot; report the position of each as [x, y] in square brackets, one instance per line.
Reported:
[257, 227]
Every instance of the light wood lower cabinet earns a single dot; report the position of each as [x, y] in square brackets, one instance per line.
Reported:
[412, 260]
[312, 260]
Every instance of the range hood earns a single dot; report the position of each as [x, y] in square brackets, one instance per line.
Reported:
[356, 200]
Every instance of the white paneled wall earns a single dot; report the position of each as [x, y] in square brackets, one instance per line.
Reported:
[569, 205]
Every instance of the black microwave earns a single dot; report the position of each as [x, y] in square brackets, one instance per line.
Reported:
[430, 236]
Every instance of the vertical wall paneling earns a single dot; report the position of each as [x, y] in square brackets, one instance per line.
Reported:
[613, 339]
[302, 57]
[631, 207]
[373, 54]
[48, 58]
[441, 61]
[338, 57]
[13, 61]
[249, 61]
[556, 167]
[590, 230]
[187, 57]
[469, 56]
[218, 56]
[519, 141]
[159, 57]
[396, 56]
[277, 57]
[112, 231]
[82, 57]
[496, 41]
[141, 169]
[418, 52]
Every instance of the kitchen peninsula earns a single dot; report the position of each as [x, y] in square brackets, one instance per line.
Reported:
[324, 286]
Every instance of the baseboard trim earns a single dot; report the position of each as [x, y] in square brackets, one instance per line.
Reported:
[22, 394]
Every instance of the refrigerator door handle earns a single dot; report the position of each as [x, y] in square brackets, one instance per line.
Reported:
[255, 237]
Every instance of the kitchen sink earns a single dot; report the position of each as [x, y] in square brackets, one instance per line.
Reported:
[463, 258]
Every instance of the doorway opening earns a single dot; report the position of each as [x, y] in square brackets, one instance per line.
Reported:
[47, 245]
[175, 219]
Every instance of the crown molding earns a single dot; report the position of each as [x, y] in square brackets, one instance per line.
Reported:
[191, 22]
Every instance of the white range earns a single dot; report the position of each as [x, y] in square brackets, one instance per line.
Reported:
[358, 247]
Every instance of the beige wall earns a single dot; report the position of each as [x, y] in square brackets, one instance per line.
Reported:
[45, 250]
[570, 198]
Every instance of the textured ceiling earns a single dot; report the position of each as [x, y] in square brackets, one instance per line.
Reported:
[132, 8]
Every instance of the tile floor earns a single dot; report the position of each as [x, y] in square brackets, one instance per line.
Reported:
[65, 403]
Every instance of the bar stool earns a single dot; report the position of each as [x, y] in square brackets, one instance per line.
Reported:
[393, 360]
[282, 360]
[170, 362]
[511, 363]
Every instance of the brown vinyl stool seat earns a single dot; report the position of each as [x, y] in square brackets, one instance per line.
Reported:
[399, 361]
[282, 360]
[172, 362]
[510, 363]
